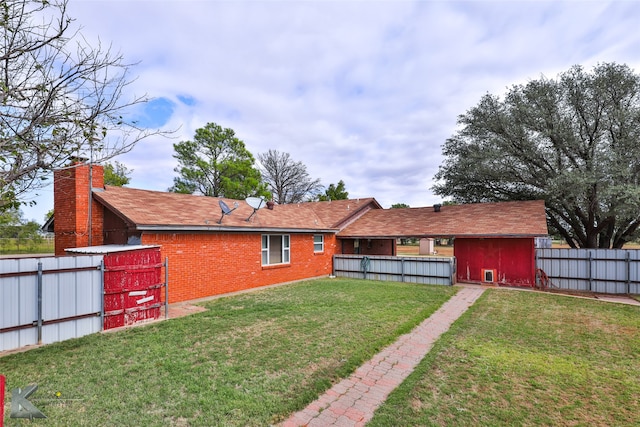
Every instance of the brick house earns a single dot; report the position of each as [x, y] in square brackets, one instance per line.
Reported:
[210, 253]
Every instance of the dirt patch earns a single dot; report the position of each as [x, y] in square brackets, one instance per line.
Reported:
[181, 310]
[622, 299]
[414, 250]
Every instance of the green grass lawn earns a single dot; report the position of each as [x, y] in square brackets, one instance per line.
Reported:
[249, 360]
[515, 358]
[521, 358]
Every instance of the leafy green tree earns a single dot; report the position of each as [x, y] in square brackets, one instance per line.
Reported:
[217, 164]
[11, 217]
[15, 230]
[572, 141]
[60, 97]
[334, 192]
[29, 235]
[116, 174]
[287, 179]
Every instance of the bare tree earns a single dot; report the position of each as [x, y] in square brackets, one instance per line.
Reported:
[287, 179]
[60, 97]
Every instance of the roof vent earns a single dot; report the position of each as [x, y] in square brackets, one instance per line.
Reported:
[436, 208]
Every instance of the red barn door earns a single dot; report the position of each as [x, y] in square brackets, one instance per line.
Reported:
[508, 261]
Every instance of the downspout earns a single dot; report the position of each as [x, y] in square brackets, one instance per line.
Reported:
[90, 240]
[39, 320]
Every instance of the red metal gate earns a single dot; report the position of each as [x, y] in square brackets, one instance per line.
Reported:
[132, 283]
[132, 286]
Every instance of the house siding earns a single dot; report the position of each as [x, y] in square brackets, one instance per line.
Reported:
[216, 261]
[208, 264]
[115, 229]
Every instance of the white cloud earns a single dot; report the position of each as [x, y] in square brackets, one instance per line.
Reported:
[363, 91]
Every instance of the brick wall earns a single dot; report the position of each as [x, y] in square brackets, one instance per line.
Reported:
[71, 207]
[200, 264]
[204, 264]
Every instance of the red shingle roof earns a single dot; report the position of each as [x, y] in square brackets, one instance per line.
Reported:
[149, 210]
[356, 218]
[525, 218]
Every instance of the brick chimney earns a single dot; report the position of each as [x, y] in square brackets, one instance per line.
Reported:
[71, 195]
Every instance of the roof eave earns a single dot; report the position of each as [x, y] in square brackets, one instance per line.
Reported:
[224, 228]
[500, 236]
[116, 212]
[442, 236]
[357, 214]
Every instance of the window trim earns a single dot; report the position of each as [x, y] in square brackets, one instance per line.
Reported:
[321, 243]
[265, 252]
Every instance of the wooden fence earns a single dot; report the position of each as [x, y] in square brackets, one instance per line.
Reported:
[425, 270]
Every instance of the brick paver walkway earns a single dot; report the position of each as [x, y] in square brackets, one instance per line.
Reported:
[353, 401]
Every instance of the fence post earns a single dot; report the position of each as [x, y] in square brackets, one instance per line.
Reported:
[102, 295]
[627, 259]
[333, 265]
[402, 269]
[452, 271]
[590, 272]
[39, 303]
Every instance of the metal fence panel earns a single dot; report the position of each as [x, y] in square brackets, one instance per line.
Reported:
[71, 297]
[17, 294]
[423, 270]
[611, 271]
[71, 294]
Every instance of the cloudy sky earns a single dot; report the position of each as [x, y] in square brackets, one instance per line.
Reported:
[360, 91]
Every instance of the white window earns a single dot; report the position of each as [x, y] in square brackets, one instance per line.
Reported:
[275, 249]
[318, 243]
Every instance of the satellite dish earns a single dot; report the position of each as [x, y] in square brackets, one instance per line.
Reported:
[256, 203]
[224, 207]
[226, 210]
